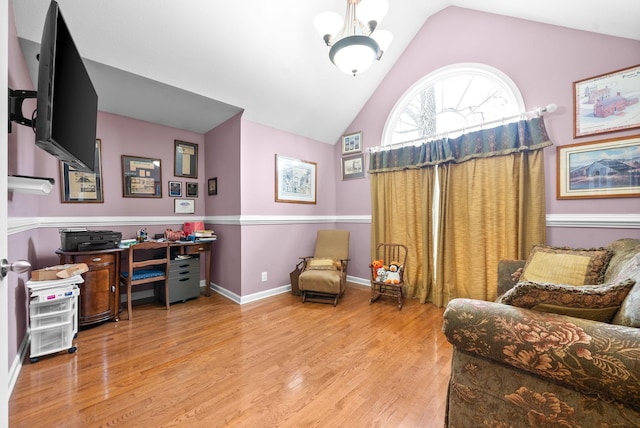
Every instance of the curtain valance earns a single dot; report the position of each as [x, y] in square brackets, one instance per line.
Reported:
[514, 137]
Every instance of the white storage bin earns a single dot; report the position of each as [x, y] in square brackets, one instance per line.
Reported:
[53, 306]
[53, 313]
[51, 339]
[51, 319]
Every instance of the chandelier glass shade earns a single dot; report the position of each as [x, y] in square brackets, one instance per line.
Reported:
[355, 42]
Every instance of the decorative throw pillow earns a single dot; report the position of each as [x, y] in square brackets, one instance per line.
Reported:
[322, 264]
[562, 265]
[594, 302]
[629, 313]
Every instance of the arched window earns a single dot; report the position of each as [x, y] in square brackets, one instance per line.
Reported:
[450, 101]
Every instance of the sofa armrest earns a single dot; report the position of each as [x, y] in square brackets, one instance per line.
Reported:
[509, 272]
[590, 356]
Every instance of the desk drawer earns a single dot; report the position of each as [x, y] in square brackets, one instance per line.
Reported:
[182, 289]
[96, 261]
[184, 264]
[183, 268]
[196, 248]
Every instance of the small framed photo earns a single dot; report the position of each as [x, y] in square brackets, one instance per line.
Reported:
[352, 143]
[186, 159]
[599, 169]
[141, 177]
[192, 190]
[175, 189]
[212, 186]
[184, 206]
[295, 180]
[79, 186]
[353, 166]
[607, 103]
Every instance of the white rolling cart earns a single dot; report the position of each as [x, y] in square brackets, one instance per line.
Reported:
[53, 314]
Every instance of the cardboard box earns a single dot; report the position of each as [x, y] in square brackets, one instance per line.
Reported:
[59, 272]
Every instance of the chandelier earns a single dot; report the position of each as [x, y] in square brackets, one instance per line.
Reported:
[354, 43]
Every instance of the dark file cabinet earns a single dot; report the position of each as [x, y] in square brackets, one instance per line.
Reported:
[184, 280]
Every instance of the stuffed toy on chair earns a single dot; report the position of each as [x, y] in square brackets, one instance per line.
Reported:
[381, 274]
[375, 265]
[393, 274]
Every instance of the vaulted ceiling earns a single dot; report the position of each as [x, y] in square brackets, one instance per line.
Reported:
[192, 64]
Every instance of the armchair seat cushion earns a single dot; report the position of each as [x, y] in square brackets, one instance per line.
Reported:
[322, 281]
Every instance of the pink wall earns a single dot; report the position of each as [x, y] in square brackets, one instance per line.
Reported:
[260, 144]
[543, 60]
[222, 160]
[275, 249]
[125, 136]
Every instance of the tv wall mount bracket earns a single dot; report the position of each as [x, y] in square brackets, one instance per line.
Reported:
[16, 98]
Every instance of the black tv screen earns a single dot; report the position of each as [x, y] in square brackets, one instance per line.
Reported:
[67, 106]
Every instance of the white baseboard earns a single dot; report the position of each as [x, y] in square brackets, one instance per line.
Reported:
[241, 300]
[16, 366]
[359, 281]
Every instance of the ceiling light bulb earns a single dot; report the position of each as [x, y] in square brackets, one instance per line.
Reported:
[372, 10]
[328, 23]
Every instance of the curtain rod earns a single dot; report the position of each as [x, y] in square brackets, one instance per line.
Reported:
[550, 108]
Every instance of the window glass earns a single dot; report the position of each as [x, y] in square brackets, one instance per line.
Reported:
[451, 100]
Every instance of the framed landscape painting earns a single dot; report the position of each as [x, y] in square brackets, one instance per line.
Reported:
[599, 169]
[607, 103]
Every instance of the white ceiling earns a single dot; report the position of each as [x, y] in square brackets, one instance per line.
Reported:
[192, 64]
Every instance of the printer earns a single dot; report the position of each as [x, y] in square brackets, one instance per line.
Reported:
[89, 240]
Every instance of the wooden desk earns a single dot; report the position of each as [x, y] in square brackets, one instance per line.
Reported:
[198, 247]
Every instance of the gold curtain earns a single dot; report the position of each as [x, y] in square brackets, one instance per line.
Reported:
[490, 206]
[401, 213]
[494, 209]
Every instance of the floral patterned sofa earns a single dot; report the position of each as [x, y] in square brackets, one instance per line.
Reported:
[518, 367]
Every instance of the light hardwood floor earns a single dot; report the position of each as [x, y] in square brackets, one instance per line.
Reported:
[273, 363]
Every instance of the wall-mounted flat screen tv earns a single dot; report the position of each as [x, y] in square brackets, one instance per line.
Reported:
[67, 101]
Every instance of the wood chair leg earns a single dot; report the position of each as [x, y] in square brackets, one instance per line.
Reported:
[129, 310]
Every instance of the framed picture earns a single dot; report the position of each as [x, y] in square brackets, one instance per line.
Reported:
[607, 103]
[192, 190]
[79, 186]
[186, 159]
[175, 189]
[295, 180]
[352, 143]
[599, 169]
[212, 186]
[353, 166]
[184, 206]
[141, 177]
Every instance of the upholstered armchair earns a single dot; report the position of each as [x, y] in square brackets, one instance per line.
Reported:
[324, 276]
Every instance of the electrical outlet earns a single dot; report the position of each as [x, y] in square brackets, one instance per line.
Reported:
[264, 276]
